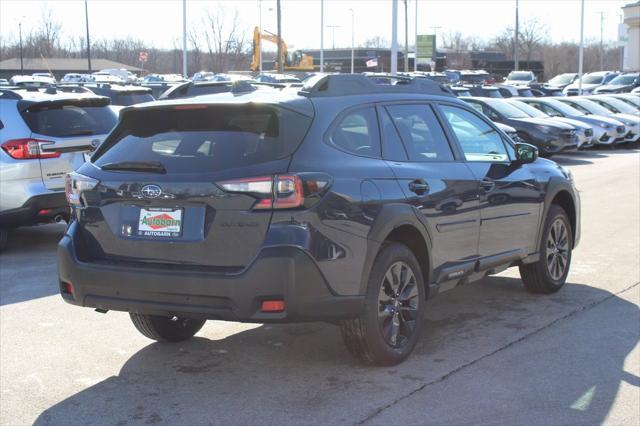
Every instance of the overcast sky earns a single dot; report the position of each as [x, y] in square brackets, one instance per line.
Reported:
[159, 22]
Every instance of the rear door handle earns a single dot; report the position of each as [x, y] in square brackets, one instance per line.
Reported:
[487, 183]
[419, 186]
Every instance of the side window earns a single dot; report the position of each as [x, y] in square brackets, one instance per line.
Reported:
[392, 148]
[547, 110]
[478, 140]
[357, 133]
[420, 132]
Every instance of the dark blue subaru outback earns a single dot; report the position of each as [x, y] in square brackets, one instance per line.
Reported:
[346, 202]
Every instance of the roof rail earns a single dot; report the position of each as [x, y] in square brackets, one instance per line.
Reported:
[354, 84]
[9, 94]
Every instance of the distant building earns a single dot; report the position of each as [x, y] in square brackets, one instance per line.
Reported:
[339, 60]
[497, 64]
[632, 49]
[58, 66]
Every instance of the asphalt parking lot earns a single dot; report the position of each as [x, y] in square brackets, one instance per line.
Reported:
[491, 353]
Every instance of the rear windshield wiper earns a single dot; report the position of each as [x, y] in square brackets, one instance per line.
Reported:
[136, 166]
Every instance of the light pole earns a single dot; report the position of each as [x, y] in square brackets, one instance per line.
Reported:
[406, 37]
[321, 35]
[601, 41]
[394, 37]
[184, 38]
[333, 34]
[516, 64]
[86, 18]
[20, 32]
[352, 43]
[280, 58]
[415, 56]
[581, 55]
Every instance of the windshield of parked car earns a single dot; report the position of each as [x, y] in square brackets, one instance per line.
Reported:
[590, 106]
[562, 79]
[563, 108]
[528, 109]
[504, 108]
[619, 105]
[592, 79]
[519, 76]
[126, 99]
[624, 79]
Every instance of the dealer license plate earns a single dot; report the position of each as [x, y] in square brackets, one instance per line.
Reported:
[160, 222]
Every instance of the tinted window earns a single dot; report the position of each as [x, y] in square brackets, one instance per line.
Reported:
[126, 99]
[70, 120]
[421, 133]
[478, 140]
[392, 148]
[206, 140]
[357, 133]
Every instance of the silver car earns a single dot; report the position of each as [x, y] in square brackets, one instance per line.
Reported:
[606, 130]
[44, 134]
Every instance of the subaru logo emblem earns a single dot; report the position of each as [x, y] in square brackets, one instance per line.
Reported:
[151, 191]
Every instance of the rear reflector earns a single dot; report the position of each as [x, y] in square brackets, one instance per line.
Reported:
[67, 288]
[272, 306]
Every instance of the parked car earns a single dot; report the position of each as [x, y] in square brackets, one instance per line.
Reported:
[295, 214]
[620, 110]
[590, 82]
[561, 81]
[629, 98]
[547, 91]
[623, 83]
[584, 132]
[507, 91]
[589, 107]
[276, 78]
[460, 91]
[29, 81]
[44, 134]
[484, 91]
[550, 137]
[4, 82]
[606, 130]
[476, 77]
[636, 91]
[126, 76]
[199, 88]
[521, 78]
[509, 131]
[45, 77]
[122, 95]
[106, 77]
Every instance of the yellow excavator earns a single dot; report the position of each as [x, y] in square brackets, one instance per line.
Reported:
[295, 61]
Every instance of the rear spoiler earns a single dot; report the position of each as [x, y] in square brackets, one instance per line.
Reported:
[33, 106]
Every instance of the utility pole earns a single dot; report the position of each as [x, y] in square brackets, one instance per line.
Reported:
[601, 41]
[406, 37]
[86, 18]
[20, 32]
[321, 35]
[581, 55]
[280, 59]
[352, 43]
[516, 62]
[333, 34]
[415, 56]
[394, 37]
[184, 38]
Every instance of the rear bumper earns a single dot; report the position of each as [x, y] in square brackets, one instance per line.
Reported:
[278, 273]
[37, 209]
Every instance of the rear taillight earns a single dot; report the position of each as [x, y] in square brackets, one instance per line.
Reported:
[75, 185]
[279, 191]
[28, 149]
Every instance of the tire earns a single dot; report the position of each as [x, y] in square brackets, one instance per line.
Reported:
[543, 276]
[4, 236]
[165, 329]
[385, 312]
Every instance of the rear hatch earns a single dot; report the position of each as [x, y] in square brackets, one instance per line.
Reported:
[66, 130]
[188, 185]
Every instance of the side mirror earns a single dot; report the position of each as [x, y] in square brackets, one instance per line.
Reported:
[526, 153]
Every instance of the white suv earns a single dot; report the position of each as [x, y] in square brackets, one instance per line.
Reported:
[44, 134]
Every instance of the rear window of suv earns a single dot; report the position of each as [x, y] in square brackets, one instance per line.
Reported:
[70, 120]
[208, 139]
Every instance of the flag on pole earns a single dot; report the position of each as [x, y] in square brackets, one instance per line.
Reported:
[372, 63]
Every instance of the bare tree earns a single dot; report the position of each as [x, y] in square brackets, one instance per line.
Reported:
[225, 40]
[532, 35]
[376, 42]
